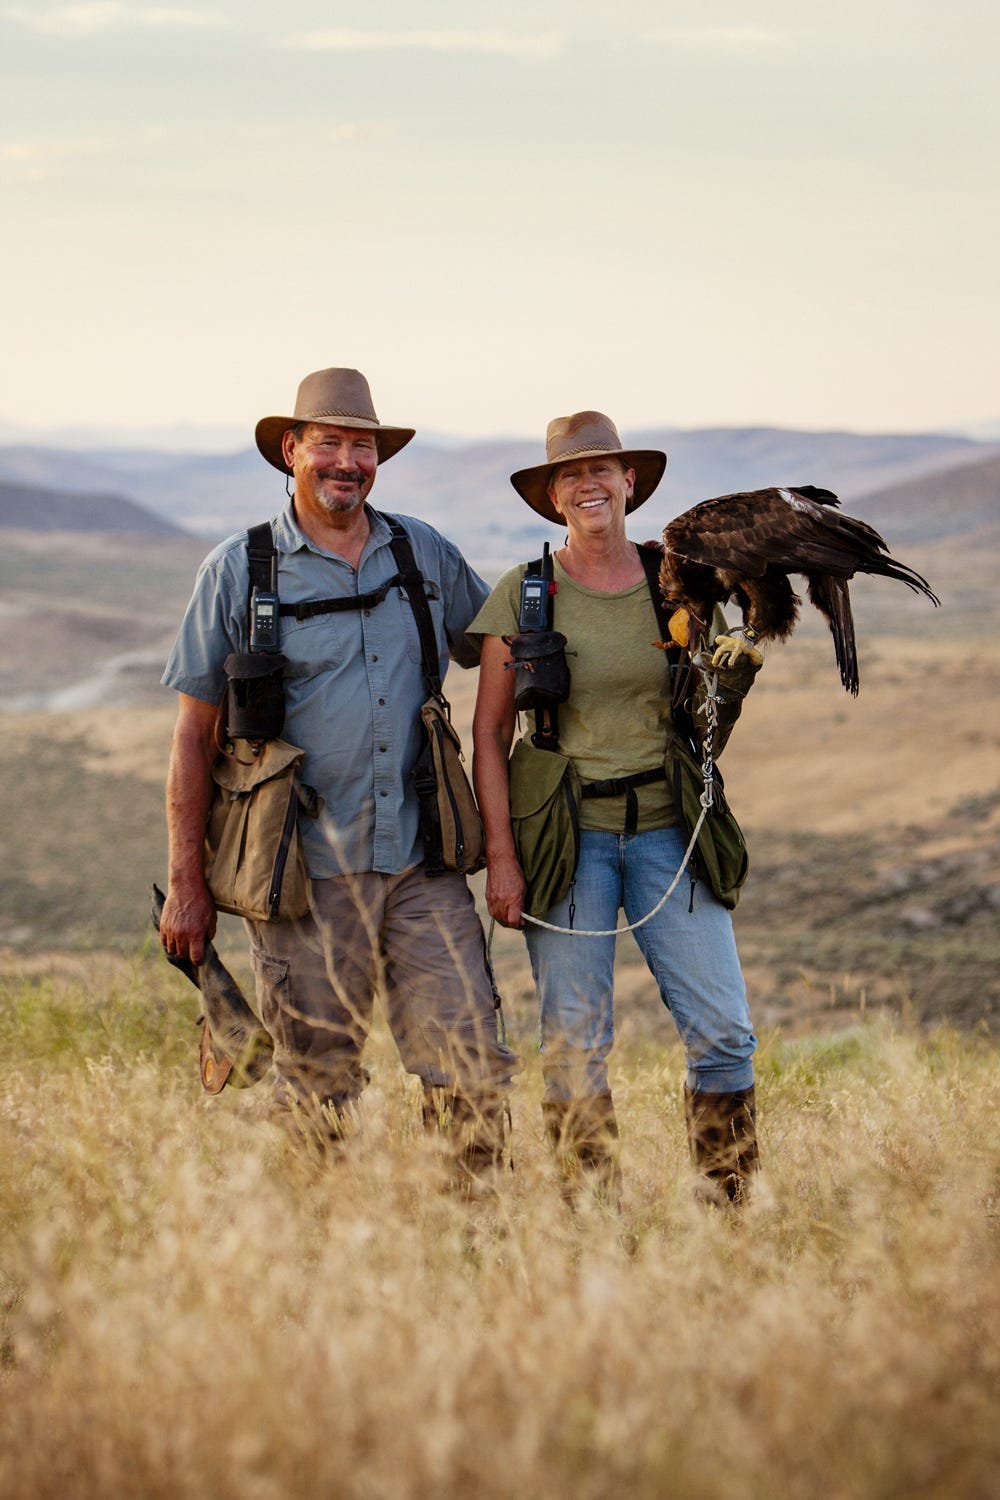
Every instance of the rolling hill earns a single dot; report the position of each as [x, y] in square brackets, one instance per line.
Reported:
[465, 491]
[34, 508]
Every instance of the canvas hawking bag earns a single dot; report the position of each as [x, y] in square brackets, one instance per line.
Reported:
[450, 826]
[451, 829]
[544, 815]
[721, 853]
[254, 864]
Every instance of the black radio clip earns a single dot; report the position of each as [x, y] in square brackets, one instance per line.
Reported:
[538, 654]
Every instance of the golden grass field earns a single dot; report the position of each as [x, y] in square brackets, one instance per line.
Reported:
[190, 1308]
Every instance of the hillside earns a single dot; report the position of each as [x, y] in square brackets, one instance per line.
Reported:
[89, 616]
[465, 490]
[34, 508]
[962, 501]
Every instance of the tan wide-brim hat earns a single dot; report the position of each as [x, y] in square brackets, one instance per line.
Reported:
[586, 434]
[339, 397]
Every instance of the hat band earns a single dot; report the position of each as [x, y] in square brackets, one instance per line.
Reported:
[580, 452]
[359, 416]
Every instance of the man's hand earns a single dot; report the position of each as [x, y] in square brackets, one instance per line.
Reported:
[728, 649]
[188, 918]
[505, 888]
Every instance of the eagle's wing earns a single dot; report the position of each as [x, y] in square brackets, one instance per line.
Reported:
[735, 533]
[798, 530]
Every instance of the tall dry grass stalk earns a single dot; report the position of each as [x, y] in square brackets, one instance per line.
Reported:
[190, 1308]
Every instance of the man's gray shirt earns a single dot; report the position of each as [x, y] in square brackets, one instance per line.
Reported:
[353, 684]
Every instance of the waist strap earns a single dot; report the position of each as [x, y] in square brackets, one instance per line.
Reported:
[624, 786]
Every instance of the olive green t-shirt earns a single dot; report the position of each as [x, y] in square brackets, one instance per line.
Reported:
[616, 720]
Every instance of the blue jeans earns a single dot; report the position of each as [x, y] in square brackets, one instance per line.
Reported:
[691, 955]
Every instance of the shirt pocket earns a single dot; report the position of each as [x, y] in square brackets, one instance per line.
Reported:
[321, 643]
[406, 623]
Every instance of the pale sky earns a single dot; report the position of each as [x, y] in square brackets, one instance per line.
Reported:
[684, 214]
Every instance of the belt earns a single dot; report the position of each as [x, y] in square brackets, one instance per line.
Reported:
[624, 786]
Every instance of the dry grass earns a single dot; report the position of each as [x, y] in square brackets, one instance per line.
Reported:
[193, 1310]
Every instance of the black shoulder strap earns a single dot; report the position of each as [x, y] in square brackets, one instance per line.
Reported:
[412, 580]
[651, 558]
[682, 673]
[263, 559]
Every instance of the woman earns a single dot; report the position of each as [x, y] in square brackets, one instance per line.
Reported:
[614, 724]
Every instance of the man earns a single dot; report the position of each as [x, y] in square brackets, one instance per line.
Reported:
[353, 689]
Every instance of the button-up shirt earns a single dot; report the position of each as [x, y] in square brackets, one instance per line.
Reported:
[354, 682]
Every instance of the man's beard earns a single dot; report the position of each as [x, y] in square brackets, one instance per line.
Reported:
[338, 505]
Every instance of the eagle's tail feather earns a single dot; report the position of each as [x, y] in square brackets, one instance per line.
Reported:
[832, 598]
[888, 567]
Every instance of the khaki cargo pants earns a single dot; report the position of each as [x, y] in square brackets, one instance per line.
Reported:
[415, 938]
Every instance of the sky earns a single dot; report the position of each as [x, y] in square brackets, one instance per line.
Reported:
[683, 214]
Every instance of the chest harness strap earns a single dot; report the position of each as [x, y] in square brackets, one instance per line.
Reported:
[263, 564]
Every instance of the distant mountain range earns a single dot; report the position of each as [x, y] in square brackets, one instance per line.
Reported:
[465, 491]
[89, 619]
[32, 508]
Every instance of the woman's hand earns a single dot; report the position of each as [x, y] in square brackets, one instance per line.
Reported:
[505, 889]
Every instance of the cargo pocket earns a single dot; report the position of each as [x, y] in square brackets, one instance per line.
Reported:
[271, 978]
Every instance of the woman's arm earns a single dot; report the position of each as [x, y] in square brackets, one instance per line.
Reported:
[492, 735]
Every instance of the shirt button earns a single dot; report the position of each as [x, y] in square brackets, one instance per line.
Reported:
[366, 613]
[374, 658]
[381, 703]
[383, 794]
[383, 748]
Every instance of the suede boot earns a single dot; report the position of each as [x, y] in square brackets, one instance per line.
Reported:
[476, 1132]
[722, 1133]
[583, 1134]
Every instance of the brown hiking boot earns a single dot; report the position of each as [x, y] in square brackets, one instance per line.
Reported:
[476, 1132]
[583, 1134]
[722, 1132]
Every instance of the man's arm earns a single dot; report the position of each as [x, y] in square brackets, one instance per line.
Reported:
[189, 915]
[465, 595]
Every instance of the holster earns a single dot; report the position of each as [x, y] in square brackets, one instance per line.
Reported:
[541, 672]
[255, 695]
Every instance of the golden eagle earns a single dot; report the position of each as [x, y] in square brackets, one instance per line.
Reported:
[744, 546]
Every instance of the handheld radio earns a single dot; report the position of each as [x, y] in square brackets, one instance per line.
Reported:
[265, 609]
[264, 605]
[535, 594]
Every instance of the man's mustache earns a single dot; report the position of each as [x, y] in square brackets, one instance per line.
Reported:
[342, 476]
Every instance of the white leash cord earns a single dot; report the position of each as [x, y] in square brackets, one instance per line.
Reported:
[613, 931]
[707, 799]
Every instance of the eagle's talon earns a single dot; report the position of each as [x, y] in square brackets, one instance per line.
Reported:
[728, 649]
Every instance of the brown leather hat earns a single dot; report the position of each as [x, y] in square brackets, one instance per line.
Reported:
[586, 434]
[339, 397]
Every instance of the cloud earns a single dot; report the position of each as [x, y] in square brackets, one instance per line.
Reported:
[106, 15]
[746, 40]
[33, 161]
[346, 130]
[535, 45]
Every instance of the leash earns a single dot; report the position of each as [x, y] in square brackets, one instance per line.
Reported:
[707, 801]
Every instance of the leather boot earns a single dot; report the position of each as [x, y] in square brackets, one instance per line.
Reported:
[476, 1132]
[722, 1132]
[583, 1134]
